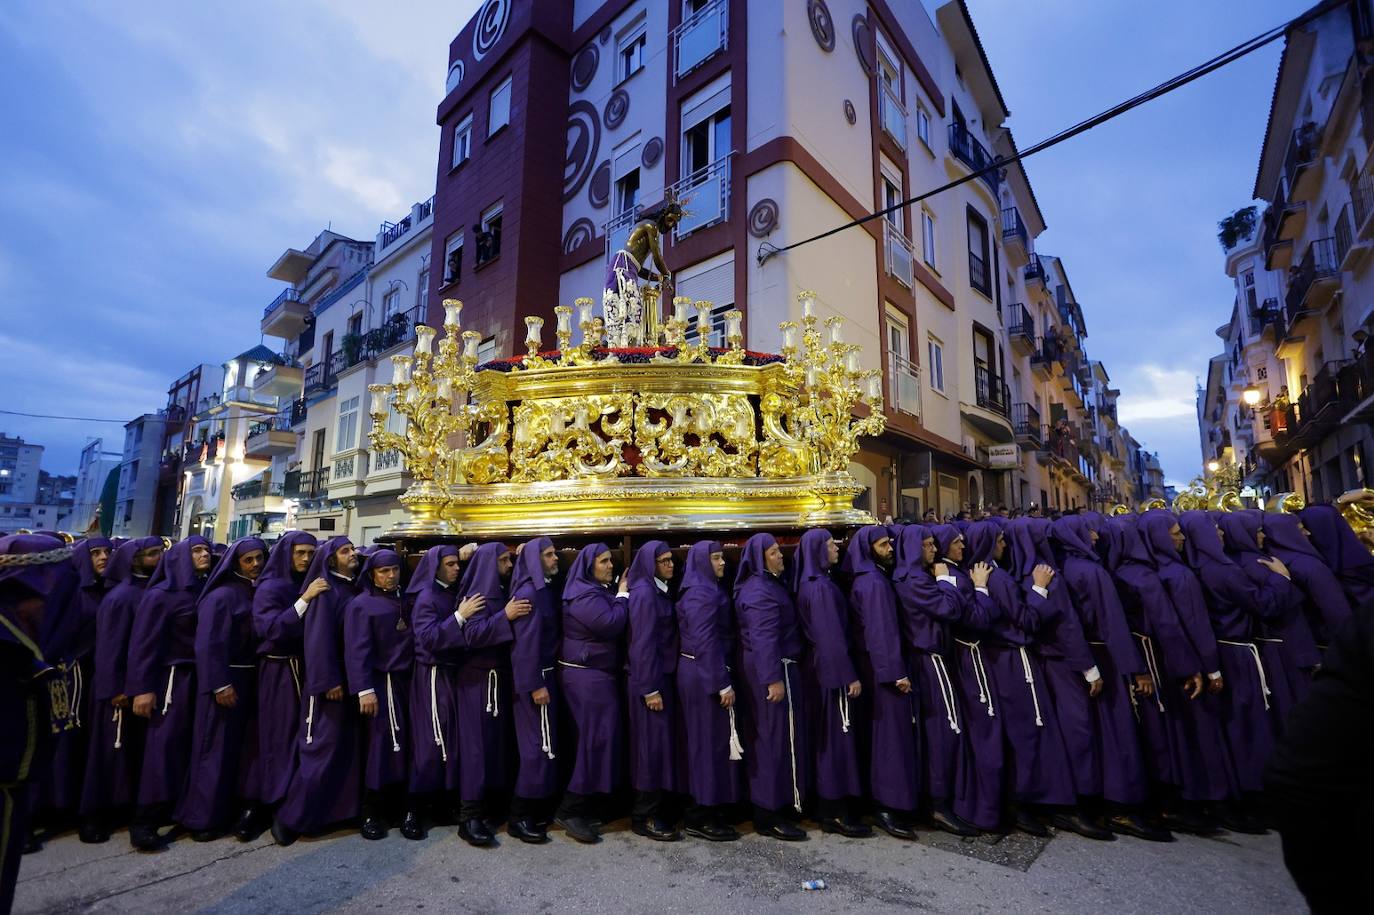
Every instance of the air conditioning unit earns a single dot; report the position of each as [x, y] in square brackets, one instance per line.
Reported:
[970, 446]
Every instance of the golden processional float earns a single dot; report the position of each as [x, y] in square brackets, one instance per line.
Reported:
[608, 437]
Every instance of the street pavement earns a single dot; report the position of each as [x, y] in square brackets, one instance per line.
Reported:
[626, 873]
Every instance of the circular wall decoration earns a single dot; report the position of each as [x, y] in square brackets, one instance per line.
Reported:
[599, 191]
[580, 232]
[850, 114]
[617, 107]
[652, 152]
[605, 34]
[491, 25]
[822, 26]
[863, 43]
[763, 217]
[455, 76]
[584, 67]
[583, 143]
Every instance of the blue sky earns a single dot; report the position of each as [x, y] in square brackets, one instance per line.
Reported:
[160, 155]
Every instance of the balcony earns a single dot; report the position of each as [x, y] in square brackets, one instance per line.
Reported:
[903, 385]
[202, 452]
[1015, 240]
[892, 114]
[393, 232]
[700, 37]
[1025, 423]
[324, 376]
[271, 437]
[617, 230]
[298, 411]
[1312, 285]
[1278, 255]
[1358, 381]
[1058, 444]
[1350, 251]
[306, 484]
[1021, 329]
[990, 392]
[286, 316]
[395, 330]
[348, 475]
[279, 379]
[1268, 315]
[1332, 393]
[1035, 271]
[978, 276]
[708, 190]
[1302, 164]
[899, 254]
[965, 147]
[257, 496]
[1046, 357]
[991, 410]
[1362, 201]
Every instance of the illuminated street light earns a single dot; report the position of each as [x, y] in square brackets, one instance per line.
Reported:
[1213, 466]
[1251, 396]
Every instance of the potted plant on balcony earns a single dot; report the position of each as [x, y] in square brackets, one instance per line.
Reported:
[352, 346]
[1237, 227]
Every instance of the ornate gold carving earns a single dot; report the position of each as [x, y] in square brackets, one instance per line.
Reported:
[699, 435]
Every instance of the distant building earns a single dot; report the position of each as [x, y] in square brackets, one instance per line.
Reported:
[136, 500]
[96, 465]
[19, 469]
[55, 489]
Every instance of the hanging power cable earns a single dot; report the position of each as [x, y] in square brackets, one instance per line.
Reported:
[767, 250]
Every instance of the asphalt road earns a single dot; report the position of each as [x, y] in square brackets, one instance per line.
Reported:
[344, 873]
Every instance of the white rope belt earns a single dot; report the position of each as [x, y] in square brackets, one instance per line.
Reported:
[844, 710]
[571, 664]
[77, 685]
[791, 732]
[310, 721]
[243, 667]
[1147, 647]
[545, 728]
[937, 663]
[391, 715]
[980, 674]
[736, 747]
[294, 663]
[434, 714]
[1259, 665]
[1030, 681]
[118, 720]
[167, 699]
[493, 698]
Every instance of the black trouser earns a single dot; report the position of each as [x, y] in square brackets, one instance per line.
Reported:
[649, 805]
[531, 809]
[832, 808]
[587, 806]
[150, 816]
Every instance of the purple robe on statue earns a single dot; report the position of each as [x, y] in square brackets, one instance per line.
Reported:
[590, 662]
[827, 671]
[771, 644]
[1326, 607]
[162, 654]
[115, 754]
[705, 619]
[1040, 770]
[279, 629]
[534, 660]
[651, 667]
[928, 609]
[325, 788]
[484, 680]
[893, 736]
[1342, 551]
[1237, 606]
[379, 652]
[1115, 744]
[224, 743]
[439, 643]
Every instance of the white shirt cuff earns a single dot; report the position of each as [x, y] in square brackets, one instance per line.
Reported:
[1043, 592]
[982, 591]
[223, 688]
[651, 695]
[301, 605]
[366, 692]
[725, 692]
[1092, 675]
[949, 580]
[459, 617]
[1214, 675]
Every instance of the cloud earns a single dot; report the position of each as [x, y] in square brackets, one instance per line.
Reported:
[1151, 392]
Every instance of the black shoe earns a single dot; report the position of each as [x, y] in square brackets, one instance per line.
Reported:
[1191, 823]
[783, 830]
[474, 832]
[579, 829]
[1077, 822]
[146, 838]
[207, 835]
[373, 829]
[1030, 824]
[841, 827]
[250, 825]
[655, 829]
[413, 827]
[952, 823]
[92, 832]
[713, 832]
[1128, 824]
[893, 825]
[1233, 820]
[281, 834]
[527, 831]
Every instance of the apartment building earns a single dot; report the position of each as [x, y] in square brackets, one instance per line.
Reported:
[1290, 397]
[95, 465]
[136, 498]
[19, 465]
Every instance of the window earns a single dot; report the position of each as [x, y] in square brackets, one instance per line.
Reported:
[717, 334]
[347, 437]
[488, 233]
[422, 289]
[486, 351]
[978, 276]
[498, 108]
[627, 191]
[1248, 281]
[892, 195]
[630, 59]
[453, 258]
[391, 304]
[928, 237]
[923, 124]
[355, 324]
[462, 141]
[935, 364]
[706, 141]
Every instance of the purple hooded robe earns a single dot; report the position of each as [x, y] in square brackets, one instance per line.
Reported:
[279, 629]
[893, 738]
[1326, 607]
[651, 667]
[590, 662]
[162, 661]
[439, 644]
[224, 743]
[325, 787]
[484, 680]
[1342, 551]
[534, 659]
[379, 652]
[713, 753]
[770, 646]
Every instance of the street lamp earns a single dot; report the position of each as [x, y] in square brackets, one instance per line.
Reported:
[1213, 466]
[1251, 396]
